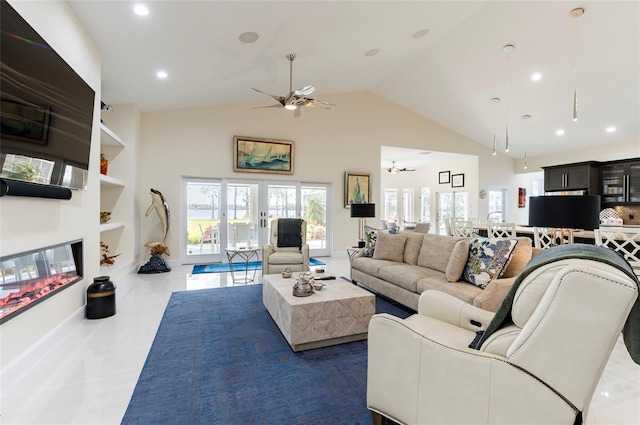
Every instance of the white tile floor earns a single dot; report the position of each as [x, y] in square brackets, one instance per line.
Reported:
[89, 375]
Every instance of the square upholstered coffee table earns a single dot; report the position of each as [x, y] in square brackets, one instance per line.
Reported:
[338, 313]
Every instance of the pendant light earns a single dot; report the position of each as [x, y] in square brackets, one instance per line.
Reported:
[507, 49]
[495, 101]
[526, 118]
[576, 13]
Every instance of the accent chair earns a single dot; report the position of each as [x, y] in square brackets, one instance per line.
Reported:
[287, 247]
[537, 360]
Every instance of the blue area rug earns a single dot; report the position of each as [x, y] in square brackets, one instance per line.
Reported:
[224, 267]
[218, 358]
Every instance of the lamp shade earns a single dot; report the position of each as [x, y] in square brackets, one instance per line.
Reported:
[363, 210]
[565, 212]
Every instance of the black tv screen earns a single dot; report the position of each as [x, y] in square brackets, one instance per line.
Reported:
[46, 109]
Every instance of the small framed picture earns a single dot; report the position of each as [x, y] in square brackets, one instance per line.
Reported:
[457, 180]
[444, 177]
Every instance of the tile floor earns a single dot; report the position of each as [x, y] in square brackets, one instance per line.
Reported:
[89, 375]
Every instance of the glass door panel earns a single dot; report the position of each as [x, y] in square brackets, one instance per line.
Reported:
[314, 212]
[451, 205]
[242, 209]
[201, 207]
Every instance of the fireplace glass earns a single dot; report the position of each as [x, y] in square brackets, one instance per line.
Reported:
[29, 278]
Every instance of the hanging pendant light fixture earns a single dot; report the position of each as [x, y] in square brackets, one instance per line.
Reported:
[495, 101]
[507, 49]
[526, 118]
[576, 13]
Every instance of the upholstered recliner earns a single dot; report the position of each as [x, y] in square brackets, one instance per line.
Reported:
[287, 248]
[538, 360]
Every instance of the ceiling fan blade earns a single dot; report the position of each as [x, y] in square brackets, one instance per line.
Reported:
[278, 98]
[277, 105]
[306, 90]
[322, 103]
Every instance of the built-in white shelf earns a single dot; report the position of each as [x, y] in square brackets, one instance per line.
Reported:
[120, 267]
[111, 181]
[111, 225]
[109, 137]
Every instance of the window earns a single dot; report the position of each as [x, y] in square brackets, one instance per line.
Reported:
[425, 204]
[407, 205]
[391, 205]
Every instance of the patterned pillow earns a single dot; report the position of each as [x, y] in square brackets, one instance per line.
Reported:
[371, 237]
[487, 259]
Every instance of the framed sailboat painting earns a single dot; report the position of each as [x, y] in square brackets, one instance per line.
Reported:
[256, 155]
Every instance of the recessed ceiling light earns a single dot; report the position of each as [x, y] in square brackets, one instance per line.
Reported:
[141, 10]
[248, 37]
[372, 52]
[420, 33]
[536, 76]
[611, 129]
[560, 132]
[162, 74]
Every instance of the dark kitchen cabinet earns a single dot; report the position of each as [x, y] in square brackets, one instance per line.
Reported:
[568, 177]
[621, 182]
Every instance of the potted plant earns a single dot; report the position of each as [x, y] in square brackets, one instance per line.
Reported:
[104, 163]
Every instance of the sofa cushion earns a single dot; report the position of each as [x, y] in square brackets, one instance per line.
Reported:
[461, 289]
[390, 247]
[371, 266]
[412, 248]
[457, 261]
[487, 258]
[371, 237]
[436, 251]
[285, 257]
[406, 276]
[521, 256]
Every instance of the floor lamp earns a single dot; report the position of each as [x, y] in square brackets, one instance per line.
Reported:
[362, 211]
[565, 213]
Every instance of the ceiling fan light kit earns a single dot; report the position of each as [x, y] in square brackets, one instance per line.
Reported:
[395, 170]
[296, 99]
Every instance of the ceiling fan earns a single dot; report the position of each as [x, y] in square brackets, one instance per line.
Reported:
[296, 99]
[394, 169]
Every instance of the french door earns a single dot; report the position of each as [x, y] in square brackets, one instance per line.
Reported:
[451, 205]
[237, 213]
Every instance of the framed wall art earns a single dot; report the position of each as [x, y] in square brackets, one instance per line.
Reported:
[457, 180]
[357, 188]
[444, 177]
[257, 155]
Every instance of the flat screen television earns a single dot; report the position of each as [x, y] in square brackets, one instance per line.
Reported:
[46, 110]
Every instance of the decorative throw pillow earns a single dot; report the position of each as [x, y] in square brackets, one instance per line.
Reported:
[487, 259]
[371, 237]
[390, 246]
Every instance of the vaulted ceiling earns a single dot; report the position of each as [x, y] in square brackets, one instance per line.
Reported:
[448, 75]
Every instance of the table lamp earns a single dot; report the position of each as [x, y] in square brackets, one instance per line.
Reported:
[565, 213]
[362, 211]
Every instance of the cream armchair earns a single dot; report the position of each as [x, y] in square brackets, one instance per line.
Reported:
[287, 248]
[538, 362]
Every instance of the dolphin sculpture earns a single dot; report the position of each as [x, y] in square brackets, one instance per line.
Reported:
[159, 204]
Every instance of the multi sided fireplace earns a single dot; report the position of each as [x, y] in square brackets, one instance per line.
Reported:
[29, 278]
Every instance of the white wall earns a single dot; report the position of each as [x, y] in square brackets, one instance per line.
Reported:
[428, 176]
[198, 142]
[28, 223]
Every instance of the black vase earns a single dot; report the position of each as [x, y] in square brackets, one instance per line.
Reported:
[101, 298]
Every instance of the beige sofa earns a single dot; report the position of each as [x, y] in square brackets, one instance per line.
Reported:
[403, 266]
